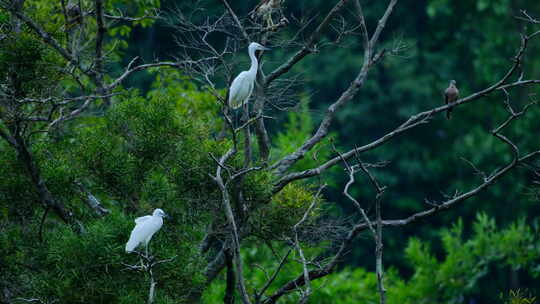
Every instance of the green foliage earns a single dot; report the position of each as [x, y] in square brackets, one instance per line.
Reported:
[145, 152]
[14, 186]
[150, 149]
[518, 297]
[295, 131]
[31, 68]
[276, 219]
[466, 262]
[452, 278]
[92, 267]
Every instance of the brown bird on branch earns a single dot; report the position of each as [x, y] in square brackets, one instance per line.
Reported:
[451, 94]
[265, 8]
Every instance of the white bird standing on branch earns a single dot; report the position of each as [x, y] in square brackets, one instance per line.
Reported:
[145, 228]
[242, 85]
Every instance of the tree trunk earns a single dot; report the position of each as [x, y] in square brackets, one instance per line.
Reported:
[45, 196]
[231, 280]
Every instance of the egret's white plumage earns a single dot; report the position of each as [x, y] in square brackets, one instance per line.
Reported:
[145, 228]
[142, 219]
[242, 85]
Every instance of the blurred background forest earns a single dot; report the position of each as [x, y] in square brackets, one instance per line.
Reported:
[471, 253]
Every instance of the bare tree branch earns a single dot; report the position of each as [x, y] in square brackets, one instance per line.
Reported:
[100, 34]
[307, 292]
[235, 17]
[308, 47]
[232, 223]
[528, 18]
[129, 70]
[122, 17]
[273, 277]
[413, 121]
[369, 59]
[376, 231]
[147, 265]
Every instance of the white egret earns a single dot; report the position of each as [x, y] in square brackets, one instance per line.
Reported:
[145, 228]
[242, 85]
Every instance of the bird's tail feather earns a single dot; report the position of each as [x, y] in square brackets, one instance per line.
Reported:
[131, 245]
[449, 113]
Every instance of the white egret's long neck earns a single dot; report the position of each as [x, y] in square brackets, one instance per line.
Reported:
[254, 62]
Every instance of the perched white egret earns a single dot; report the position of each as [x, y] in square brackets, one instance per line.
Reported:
[242, 85]
[145, 228]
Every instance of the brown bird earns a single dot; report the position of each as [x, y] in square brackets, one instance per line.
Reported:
[265, 9]
[451, 94]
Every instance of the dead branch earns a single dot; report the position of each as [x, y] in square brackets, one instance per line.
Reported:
[236, 20]
[307, 292]
[282, 262]
[308, 47]
[147, 265]
[232, 222]
[413, 121]
[370, 57]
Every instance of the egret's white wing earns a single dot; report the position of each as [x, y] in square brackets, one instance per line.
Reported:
[144, 230]
[151, 227]
[137, 235]
[142, 219]
[241, 89]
